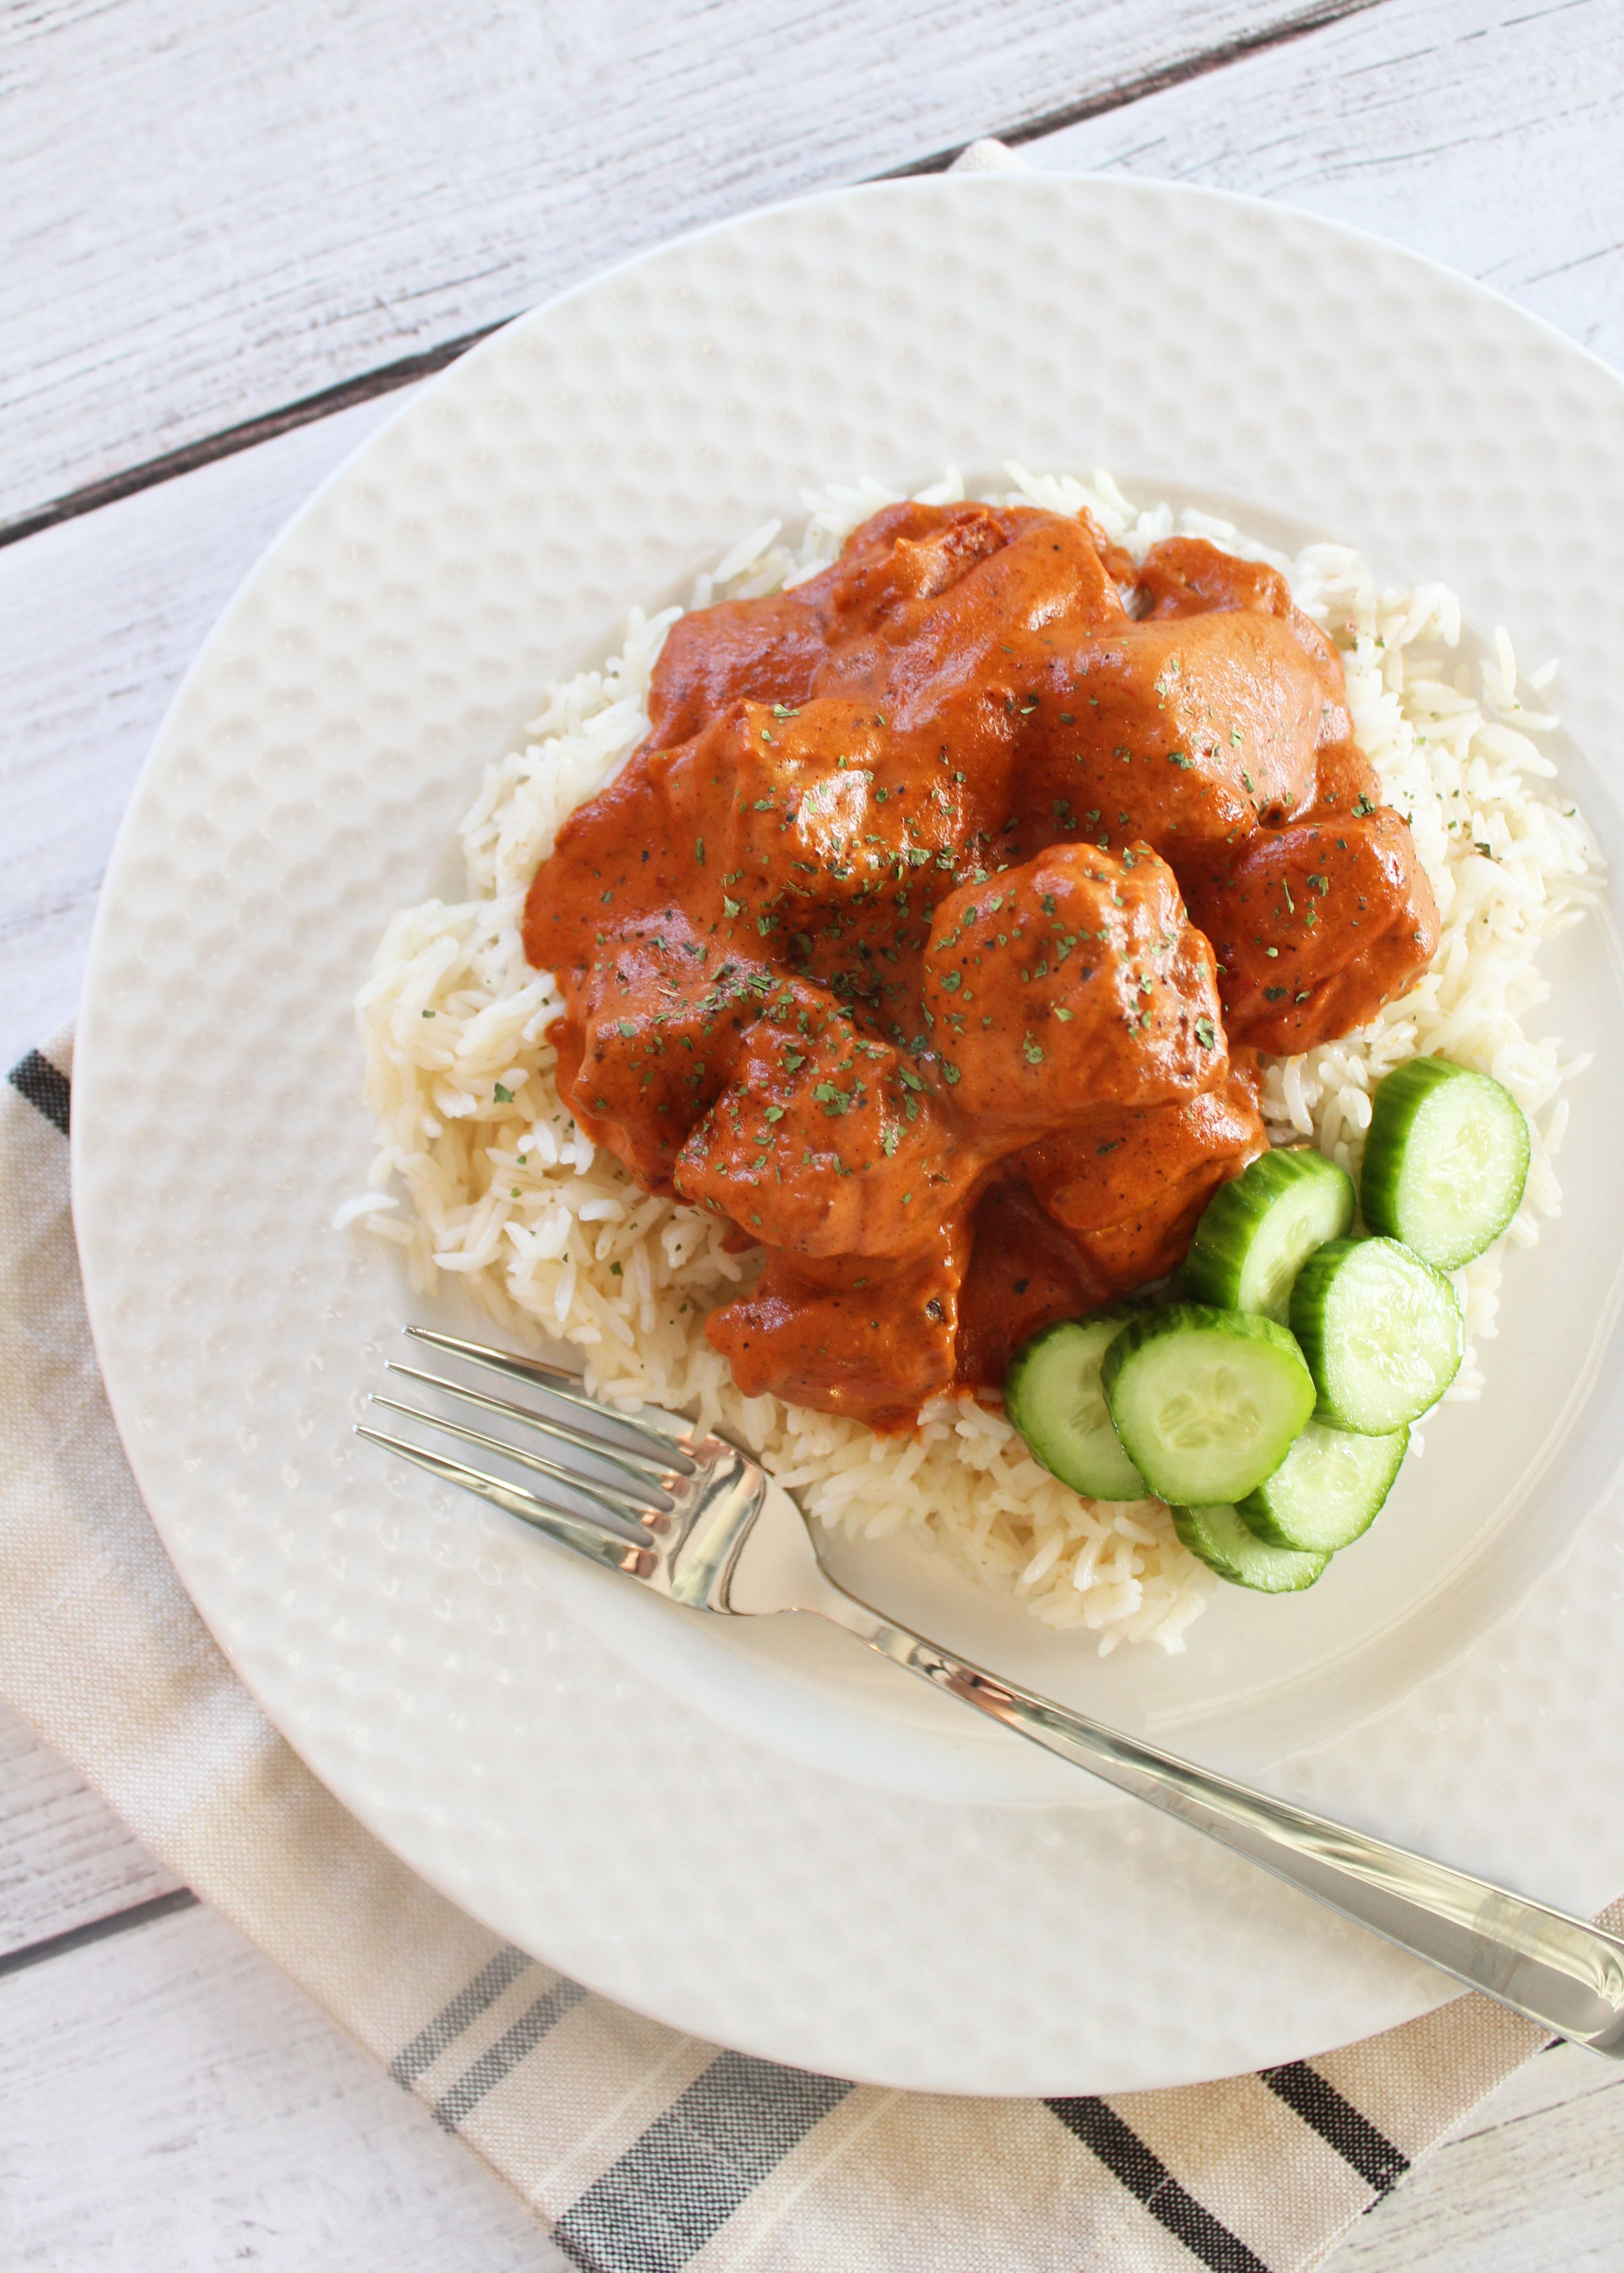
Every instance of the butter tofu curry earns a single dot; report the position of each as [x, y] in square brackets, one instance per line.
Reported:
[931, 935]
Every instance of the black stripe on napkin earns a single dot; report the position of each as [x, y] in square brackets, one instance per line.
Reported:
[37, 1079]
[1339, 2122]
[463, 2010]
[1146, 2176]
[505, 2054]
[660, 2204]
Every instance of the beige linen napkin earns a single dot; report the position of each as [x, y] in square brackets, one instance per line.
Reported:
[644, 2150]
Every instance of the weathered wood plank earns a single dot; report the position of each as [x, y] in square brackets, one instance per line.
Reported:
[102, 616]
[1483, 133]
[169, 2099]
[1534, 2185]
[66, 1860]
[227, 208]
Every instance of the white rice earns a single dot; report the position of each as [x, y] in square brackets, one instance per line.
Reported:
[545, 1230]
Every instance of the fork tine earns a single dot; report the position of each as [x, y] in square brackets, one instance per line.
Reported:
[639, 1470]
[572, 1531]
[653, 1432]
[617, 1505]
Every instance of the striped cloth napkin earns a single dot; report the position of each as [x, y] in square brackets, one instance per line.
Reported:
[643, 2151]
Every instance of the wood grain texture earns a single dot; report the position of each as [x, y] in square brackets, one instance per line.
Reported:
[66, 1860]
[103, 617]
[170, 2100]
[1483, 133]
[228, 207]
[1533, 2183]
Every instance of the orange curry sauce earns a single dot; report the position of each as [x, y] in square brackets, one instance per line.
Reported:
[930, 934]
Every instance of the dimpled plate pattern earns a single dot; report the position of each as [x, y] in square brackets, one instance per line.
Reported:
[752, 1837]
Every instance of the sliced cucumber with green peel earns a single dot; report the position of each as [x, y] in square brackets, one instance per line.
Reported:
[1381, 1332]
[1258, 1231]
[1207, 1402]
[1446, 1160]
[1053, 1394]
[1328, 1489]
[1226, 1545]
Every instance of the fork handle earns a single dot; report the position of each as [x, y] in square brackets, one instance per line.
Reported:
[1556, 1969]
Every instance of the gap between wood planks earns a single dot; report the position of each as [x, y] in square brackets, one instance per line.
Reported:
[385, 377]
[77, 1937]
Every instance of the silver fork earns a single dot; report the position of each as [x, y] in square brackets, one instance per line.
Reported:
[701, 1522]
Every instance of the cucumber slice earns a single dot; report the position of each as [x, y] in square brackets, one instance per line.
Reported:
[1328, 1489]
[1053, 1394]
[1207, 1402]
[1225, 1544]
[1257, 1232]
[1445, 1160]
[1380, 1330]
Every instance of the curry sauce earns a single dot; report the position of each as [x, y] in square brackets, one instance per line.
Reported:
[931, 935]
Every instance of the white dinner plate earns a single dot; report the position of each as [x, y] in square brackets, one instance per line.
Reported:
[759, 1833]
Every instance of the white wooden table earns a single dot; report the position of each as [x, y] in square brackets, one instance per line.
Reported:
[235, 233]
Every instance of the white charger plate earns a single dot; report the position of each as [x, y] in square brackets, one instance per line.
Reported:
[757, 1832]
